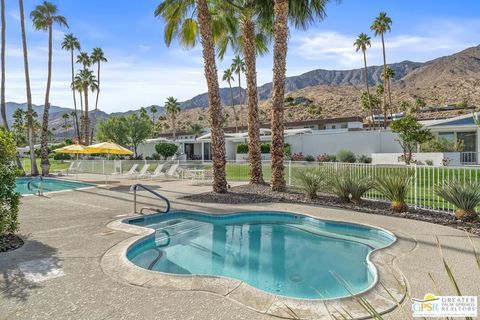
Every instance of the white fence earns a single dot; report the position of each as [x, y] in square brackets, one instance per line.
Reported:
[425, 179]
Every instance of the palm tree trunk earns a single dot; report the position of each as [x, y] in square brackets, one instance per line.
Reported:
[368, 89]
[233, 106]
[75, 98]
[86, 125]
[96, 103]
[174, 127]
[384, 84]
[390, 94]
[278, 92]
[254, 151]
[2, 103]
[242, 101]
[214, 102]
[31, 129]
[80, 138]
[44, 139]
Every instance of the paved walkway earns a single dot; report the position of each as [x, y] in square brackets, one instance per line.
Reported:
[66, 236]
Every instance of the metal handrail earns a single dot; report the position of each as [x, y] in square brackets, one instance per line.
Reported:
[39, 189]
[139, 185]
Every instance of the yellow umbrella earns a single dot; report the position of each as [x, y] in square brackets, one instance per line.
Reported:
[108, 148]
[72, 149]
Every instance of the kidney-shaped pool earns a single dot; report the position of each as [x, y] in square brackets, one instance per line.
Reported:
[279, 252]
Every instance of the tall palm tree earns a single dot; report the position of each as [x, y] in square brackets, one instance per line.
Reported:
[78, 87]
[387, 77]
[228, 77]
[84, 59]
[30, 112]
[71, 43]
[301, 13]
[238, 67]
[73, 114]
[65, 117]
[172, 108]
[182, 24]
[86, 79]
[196, 129]
[153, 110]
[362, 43]
[97, 58]
[44, 16]
[381, 25]
[2, 103]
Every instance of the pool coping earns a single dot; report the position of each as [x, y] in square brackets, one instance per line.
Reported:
[116, 264]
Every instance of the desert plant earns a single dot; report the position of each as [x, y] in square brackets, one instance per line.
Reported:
[310, 181]
[429, 162]
[349, 188]
[364, 159]
[346, 156]
[298, 157]
[395, 188]
[309, 158]
[242, 148]
[464, 196]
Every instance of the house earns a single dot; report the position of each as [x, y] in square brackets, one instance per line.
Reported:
[463, 128]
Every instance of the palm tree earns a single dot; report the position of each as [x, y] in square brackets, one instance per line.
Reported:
[362, 42]
[381, 25]
[238, 67]
[2, 103]
[30, 122]
[228, 77]
[180, 23]
[97, 57]
[84, 59]
[71, 43]
[86, 79]
[172, 108]
[301, 13]
[65, 117]
[387, 77]
[196, 129]
[78, 87]
[73, 114]
[153, 110]
[44, 16]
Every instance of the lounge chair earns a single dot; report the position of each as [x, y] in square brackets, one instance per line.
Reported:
[144, 171]
[132, 171]
[158, 171]
[74, 166]
[171, 172]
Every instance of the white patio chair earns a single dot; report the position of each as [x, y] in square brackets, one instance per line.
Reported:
[158, 171]
[144, 171]
[133, 171]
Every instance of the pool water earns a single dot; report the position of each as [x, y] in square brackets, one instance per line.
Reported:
[49, 184]
[278, 252]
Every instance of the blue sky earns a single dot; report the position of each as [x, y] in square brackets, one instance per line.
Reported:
[142, 71]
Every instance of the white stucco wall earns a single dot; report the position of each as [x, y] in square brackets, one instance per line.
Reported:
[359, 142]
[421, 158]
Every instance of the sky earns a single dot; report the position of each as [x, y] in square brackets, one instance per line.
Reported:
[142, 70]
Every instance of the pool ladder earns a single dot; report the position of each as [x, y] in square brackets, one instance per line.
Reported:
[135, 187]
[39, 189]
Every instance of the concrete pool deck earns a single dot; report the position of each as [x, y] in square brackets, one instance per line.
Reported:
[57, 274]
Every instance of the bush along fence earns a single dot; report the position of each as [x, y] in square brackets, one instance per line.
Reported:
[424, 182]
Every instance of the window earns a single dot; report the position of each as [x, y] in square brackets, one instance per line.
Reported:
[450, 136]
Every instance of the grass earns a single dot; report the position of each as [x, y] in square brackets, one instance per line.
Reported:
[54, 165]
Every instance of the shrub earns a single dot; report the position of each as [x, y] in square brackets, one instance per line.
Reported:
[9, 198]
[310, 181]
[298, 157]
[166, 149]
[265, 147]
[242, 148]
[287, 149]
[62, 156]
[326, 158]
[465, 197]
[364, 159]
[346, 156]
[309, 158]
[442, 145]
[348, 188]
[395, 188]
[156, 156]
[429, 162]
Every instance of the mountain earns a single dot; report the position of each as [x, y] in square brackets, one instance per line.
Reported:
[449, 80]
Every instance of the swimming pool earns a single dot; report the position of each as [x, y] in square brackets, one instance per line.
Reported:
[278, 252]
[49, 184]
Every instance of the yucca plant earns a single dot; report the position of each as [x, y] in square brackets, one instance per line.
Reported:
[464, 196]
[310, 181]
[395, 188]
[349, 188]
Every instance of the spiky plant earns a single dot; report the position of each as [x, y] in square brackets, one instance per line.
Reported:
[310, 181]
[395, 188]
[349, 188]
[465, 198]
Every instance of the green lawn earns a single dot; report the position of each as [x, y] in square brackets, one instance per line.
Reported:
[54, 165]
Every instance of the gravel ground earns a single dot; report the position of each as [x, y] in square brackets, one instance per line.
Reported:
[248, 194]
[10, 242]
